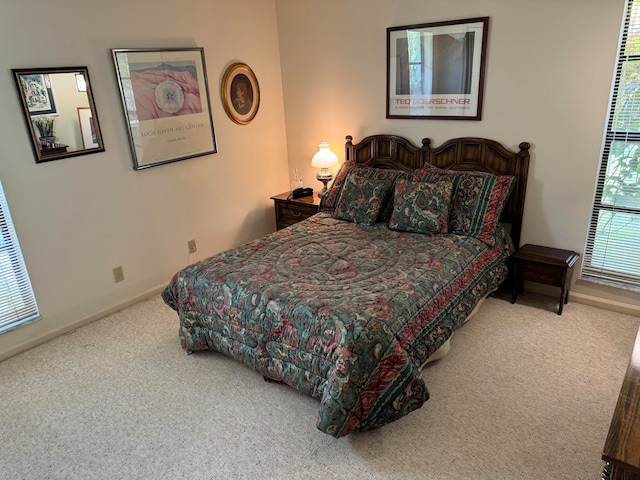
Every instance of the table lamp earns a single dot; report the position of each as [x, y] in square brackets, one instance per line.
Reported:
[324, 159]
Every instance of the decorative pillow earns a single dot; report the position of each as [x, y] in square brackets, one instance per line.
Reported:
[503, 237]
[330, 199]
[421, 207]
[478, 199]
[361, 198]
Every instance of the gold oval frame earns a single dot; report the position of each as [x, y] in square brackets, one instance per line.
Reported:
[241, 110]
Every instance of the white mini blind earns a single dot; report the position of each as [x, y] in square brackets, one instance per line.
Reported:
[612, 252]
[17, 302]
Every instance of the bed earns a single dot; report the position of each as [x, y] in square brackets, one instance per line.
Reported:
[349, 304]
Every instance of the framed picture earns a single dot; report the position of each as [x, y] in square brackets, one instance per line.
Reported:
[436, 70]
[240, 93]
[87, 128]
[165, 99]
[38, 94]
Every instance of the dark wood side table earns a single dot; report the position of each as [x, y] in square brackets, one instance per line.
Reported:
[290, 211]
[622, 447]
[54, 150]
[550, 266]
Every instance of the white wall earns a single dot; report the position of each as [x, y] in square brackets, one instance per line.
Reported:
[78, 218]
[548, 78]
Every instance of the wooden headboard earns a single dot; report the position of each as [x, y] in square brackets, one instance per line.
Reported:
[466, 153]
[386, 151]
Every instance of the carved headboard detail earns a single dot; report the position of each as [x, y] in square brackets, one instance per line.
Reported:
[385, 151]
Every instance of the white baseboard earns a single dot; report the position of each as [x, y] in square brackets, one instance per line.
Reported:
[605, 304]
[578, 297]
[77, 324]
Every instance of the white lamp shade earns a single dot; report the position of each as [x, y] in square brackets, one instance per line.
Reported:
[324, 158]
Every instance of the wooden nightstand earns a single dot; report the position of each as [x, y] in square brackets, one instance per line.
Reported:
[293, 211]
[550, 266]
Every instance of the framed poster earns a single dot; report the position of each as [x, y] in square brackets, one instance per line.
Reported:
[165, 99]
[436, 70]
[240, 93]
[38, 94]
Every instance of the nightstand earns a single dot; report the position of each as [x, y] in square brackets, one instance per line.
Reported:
[295, 210]
[550, 266]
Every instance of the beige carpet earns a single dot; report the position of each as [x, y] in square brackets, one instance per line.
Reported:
[523, 394]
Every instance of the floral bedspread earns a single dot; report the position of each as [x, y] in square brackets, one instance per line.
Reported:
[343, 312]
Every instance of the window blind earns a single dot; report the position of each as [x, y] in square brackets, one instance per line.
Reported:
[17, 302]
[612, 252]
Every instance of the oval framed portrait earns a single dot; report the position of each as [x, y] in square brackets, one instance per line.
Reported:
[240, 93]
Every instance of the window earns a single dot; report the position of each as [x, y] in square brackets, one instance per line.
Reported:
[17, 303]
[612, 252]
[434, 64]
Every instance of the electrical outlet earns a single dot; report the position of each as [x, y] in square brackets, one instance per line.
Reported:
[192, 246]
[118, 274]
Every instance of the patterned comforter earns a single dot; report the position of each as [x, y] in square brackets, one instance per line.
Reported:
[343, 312]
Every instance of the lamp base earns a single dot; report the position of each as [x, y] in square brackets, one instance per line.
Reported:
[324, 178]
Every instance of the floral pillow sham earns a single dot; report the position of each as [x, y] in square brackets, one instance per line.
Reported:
[421, 207]
[362, 198]
[477, 202]
[329, 201]
[477, 199]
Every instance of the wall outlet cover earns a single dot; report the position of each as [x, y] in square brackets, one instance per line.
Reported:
[118, 274]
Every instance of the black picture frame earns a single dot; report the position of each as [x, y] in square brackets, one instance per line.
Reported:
[62, 141]
[437, 70]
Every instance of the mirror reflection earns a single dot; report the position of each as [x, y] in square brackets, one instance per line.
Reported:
[59, 112]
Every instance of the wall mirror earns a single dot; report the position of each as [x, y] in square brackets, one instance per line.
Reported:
[59, 112]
